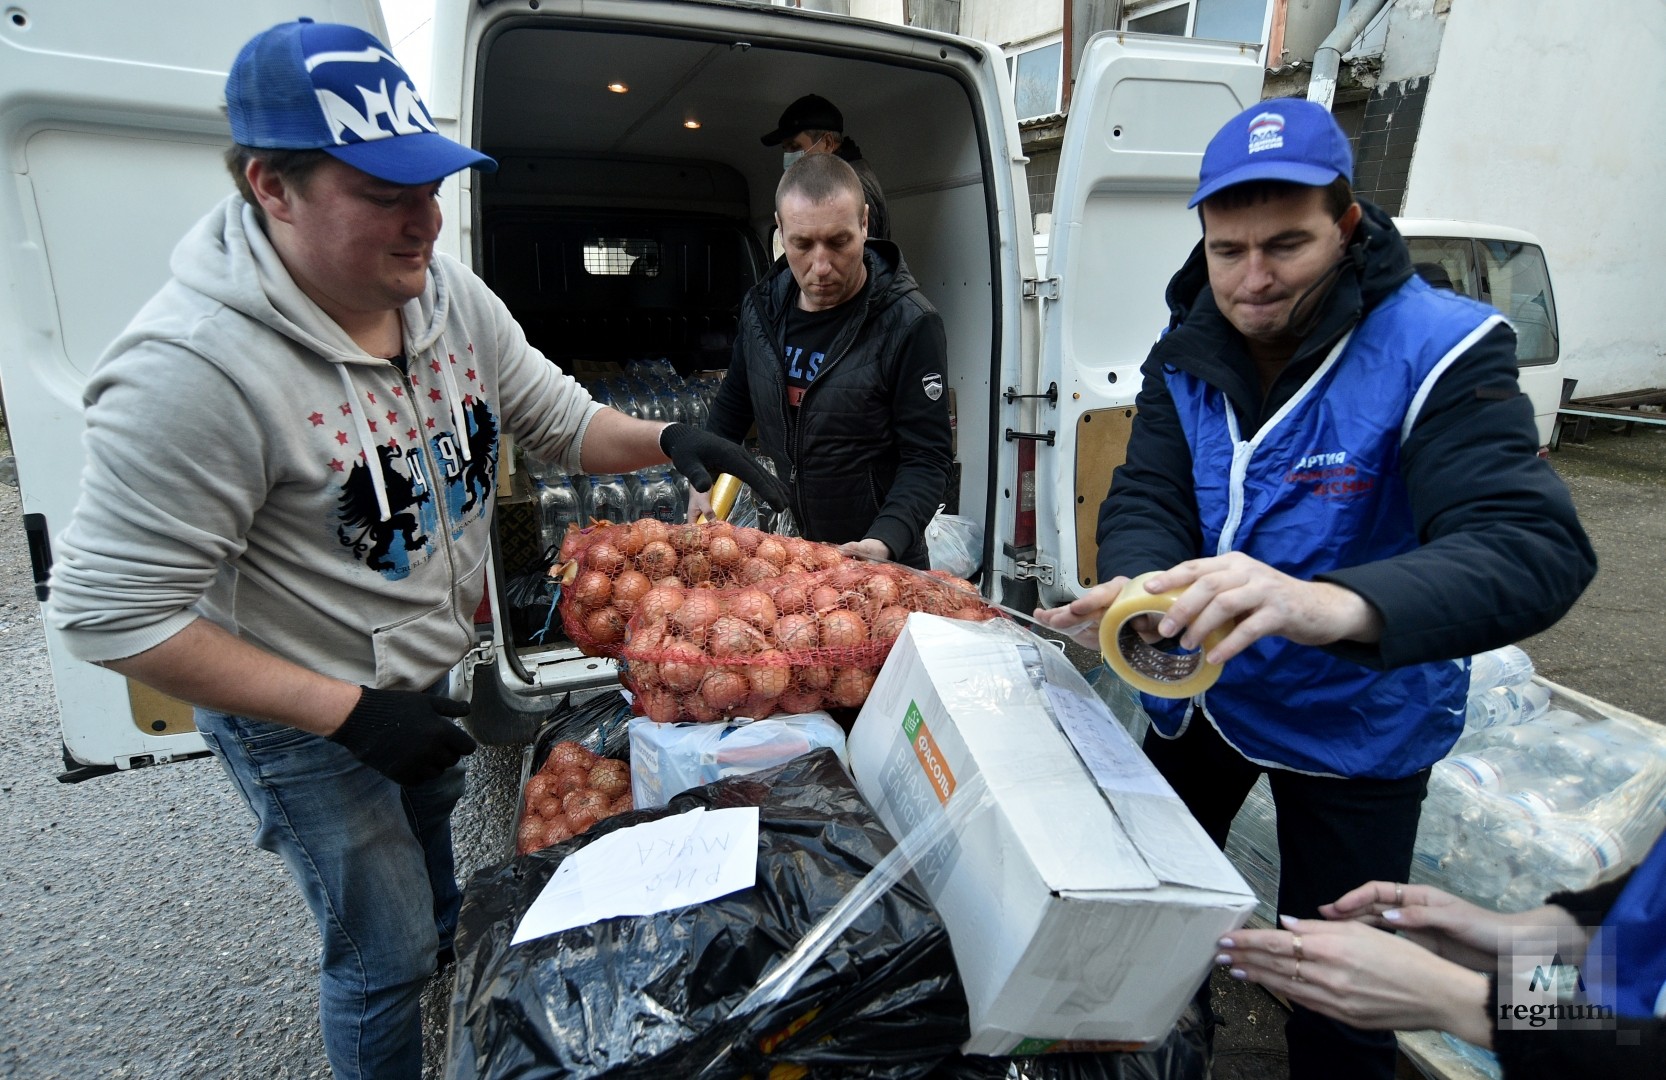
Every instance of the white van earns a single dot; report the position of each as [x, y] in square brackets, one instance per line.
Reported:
[112, 126]
[1506, 268]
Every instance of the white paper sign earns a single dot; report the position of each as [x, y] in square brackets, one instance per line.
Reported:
[1105, 745]
[656, 866]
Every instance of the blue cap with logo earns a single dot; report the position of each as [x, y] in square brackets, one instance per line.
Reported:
[1287, 139]
[324, 86]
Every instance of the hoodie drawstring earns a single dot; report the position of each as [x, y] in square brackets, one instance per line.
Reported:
[455, 399]
[361, 427]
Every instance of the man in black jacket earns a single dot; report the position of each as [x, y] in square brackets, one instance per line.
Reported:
[814, 125]
[841, 362]
[1333, 463]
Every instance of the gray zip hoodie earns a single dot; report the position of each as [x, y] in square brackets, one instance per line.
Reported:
[248, 463]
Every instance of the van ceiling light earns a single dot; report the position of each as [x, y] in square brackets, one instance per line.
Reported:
[691, 123]
[618, 88]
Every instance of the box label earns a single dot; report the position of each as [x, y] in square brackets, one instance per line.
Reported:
[931, 757]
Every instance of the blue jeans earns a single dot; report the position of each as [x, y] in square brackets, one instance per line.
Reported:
[373, 861]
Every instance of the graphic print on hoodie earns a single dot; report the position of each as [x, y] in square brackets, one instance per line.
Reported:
[397, 541]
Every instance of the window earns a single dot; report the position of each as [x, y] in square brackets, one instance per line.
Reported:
[1518, 284]
[1037, 71]
[1445, 263]
[1222, 20]
[607, 256]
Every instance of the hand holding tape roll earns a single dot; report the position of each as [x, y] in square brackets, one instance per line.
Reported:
[1145, 666]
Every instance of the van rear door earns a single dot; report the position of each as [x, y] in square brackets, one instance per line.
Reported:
[1143, 109]
[112, 131]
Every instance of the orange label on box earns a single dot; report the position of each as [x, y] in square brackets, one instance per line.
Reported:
[931, 758]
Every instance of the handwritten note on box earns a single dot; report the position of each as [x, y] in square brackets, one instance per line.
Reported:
[656, 866]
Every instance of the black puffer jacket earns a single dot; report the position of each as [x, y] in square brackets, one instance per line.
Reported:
[1503, 555]
[868, 454]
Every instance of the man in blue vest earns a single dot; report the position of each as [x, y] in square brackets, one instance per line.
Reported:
[1334, 461]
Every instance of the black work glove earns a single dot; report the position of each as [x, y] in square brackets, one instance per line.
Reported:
[699, 454]
[405, 736]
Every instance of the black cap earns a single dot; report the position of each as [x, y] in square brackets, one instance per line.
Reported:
[809, 113]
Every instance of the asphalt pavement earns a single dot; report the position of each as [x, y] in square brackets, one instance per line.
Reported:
[142, 936]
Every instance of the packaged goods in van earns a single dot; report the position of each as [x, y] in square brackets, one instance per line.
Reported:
[1082, 899]
[671, 758]
[660, 992]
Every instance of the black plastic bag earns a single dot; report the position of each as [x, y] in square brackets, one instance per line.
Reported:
[654, 996]
[1184, 1055]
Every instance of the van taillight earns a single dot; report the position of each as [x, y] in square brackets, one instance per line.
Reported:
[1023, 530]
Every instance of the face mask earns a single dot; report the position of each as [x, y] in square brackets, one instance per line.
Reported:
[788, 158]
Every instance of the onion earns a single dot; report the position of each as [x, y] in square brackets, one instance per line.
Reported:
[755, 606]
[772, 551]
[687, 538]
[605, 557]
[568, 779]
[850, 687]
[538, 787]
[558, 830]
[568, 753]
[682, 666]
[748, 539]
[651, 529]
[570, 543]
[660, 706]
[813, 676]
[827, 557]
[972, 613]
[699, 609]
[889, 622]
[797, 633]
[609, 781]
[699, 711]
[623, 804]
[530, 836]
[824, 598]
[605, 626]
[724, 552]
[630, 540]
[800, 701]
[880, 588]
[729, 636]
[695, 568]
[658, 559]
[591, 589]
[628, 588]
[791, 593]
[585, 799]
[840, 629]
[768, 674]
[548, 807]
[850, 575]
[800, 550]
[722, 690]
[753, 570]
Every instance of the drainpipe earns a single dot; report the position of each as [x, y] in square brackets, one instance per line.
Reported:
[1327, 61]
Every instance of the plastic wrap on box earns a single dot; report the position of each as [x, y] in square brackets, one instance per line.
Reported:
[671, 758]
[699, 991]
[1545, 790]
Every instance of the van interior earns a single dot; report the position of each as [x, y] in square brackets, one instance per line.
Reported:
[627, 224]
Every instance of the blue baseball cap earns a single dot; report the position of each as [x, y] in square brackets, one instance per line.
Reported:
[323, 86]
[1288, 139]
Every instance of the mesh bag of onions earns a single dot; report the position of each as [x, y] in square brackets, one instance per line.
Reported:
[572, 790]
[794, 643]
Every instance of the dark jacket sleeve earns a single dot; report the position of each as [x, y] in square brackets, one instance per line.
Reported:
[920, 427]
[1502, 553]
[1149, 520]
[731, 409]
[1634, 1049]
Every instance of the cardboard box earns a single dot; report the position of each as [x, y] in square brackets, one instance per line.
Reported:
[1083, 906]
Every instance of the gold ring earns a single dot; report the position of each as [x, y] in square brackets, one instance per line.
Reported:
[1399, 895]
[1299, 970]
[1296, 946]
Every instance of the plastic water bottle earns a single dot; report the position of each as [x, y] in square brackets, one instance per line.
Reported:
[1505, 705]
[1499, 667]
[610, 498]
[558, 507]
[660, 499]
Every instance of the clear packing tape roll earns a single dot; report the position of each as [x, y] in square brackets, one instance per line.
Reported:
[1147, 667]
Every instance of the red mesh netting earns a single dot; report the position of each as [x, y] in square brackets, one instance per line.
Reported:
[571, 791]
[716, 620]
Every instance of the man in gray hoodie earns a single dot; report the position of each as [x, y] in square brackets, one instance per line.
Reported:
[286, 509]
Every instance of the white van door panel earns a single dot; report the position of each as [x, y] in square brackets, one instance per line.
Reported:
[112, 127]
[1142, 111]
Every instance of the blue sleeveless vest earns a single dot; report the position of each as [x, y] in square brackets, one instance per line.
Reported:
[1318, 488]
[1637, 925]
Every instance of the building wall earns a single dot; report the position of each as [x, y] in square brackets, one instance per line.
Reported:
[887, 11]
[1003, 22]
[1545, 115]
